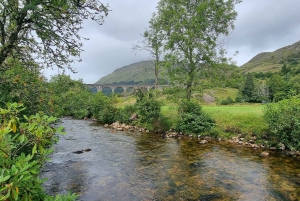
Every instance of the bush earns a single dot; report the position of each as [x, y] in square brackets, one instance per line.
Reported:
[284, 122]
[23, 150]
[192, 120]
[148, 109]
[227, 101]
[108, 115]
[125, 114]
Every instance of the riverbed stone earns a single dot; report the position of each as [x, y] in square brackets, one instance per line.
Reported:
[203, 142]
[264, 154]
[254, 138]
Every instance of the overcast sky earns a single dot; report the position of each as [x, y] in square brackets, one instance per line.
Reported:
[261, 26]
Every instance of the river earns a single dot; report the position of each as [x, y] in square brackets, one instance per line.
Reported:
[138, 166]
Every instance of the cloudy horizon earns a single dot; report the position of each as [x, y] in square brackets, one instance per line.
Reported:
[261, 26]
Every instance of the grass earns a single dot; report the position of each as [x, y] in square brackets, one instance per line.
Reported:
[247, 118]
[222, 93]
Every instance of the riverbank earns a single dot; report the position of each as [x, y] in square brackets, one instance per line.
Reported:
[231, 120]
[239, 140]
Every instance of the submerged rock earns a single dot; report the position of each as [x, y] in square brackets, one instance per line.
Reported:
[264, 154]
[78, 152]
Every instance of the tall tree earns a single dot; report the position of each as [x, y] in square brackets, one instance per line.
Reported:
[191, 31]
[248, 89]
[153, 43]
[45, 30]
[277, 87]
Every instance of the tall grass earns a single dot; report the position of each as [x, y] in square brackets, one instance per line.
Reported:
[247, 119]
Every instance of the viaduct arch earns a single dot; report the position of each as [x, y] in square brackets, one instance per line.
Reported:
[124, 87]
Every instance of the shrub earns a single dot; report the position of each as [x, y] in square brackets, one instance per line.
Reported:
[98, 102]
[23, 149]
[192, 120]
[108, 115]
[227, 101]
[284, 122]
[125, 114]
[148, 109]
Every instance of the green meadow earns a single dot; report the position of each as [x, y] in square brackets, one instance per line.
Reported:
[230, 120]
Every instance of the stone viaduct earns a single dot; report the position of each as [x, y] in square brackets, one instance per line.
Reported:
[125, 88]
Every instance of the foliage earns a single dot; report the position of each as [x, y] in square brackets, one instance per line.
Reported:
[108, 115]
[148, 108]
[192, 120]
[75, 102]
[125, 114]
[97, 103]
[248, 89]
[20, 83]
[191, 30]
[277, 87]
[284, 122]
[149, 113]
[23, 149]
[227, 101]
[45, 30]
[72, 98]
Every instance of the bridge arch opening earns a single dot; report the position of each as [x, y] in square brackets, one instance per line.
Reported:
[119, 90]
[107, 91]
[93, 89]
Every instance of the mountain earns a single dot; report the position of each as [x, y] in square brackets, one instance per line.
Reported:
[273, 61]
[137, 73]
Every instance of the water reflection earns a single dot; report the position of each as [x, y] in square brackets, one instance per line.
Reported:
[136, 166]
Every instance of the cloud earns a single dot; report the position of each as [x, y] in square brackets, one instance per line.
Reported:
[261, 25]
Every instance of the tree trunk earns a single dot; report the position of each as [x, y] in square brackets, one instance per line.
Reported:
[188, 91]
[156, 69]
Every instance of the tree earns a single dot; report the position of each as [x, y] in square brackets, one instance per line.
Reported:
[277, 87]
[45, 29]
[262, 91]
[191, 30]
[153, 43]
[284, 69]
[248, 89]
[24, 83]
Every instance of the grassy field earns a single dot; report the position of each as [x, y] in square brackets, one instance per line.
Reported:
[246, 118]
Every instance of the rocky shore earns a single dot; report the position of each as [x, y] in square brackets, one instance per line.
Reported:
[239, 140]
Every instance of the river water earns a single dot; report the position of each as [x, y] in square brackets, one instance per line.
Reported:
[143, 166]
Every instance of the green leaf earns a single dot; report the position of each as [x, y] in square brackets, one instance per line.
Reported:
[15, 193]
[3, 179]
[34, 150]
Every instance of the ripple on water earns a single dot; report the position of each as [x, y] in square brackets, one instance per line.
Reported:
[144, 166]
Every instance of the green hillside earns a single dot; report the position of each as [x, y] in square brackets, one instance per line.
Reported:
[273, 61]
[137, 73]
